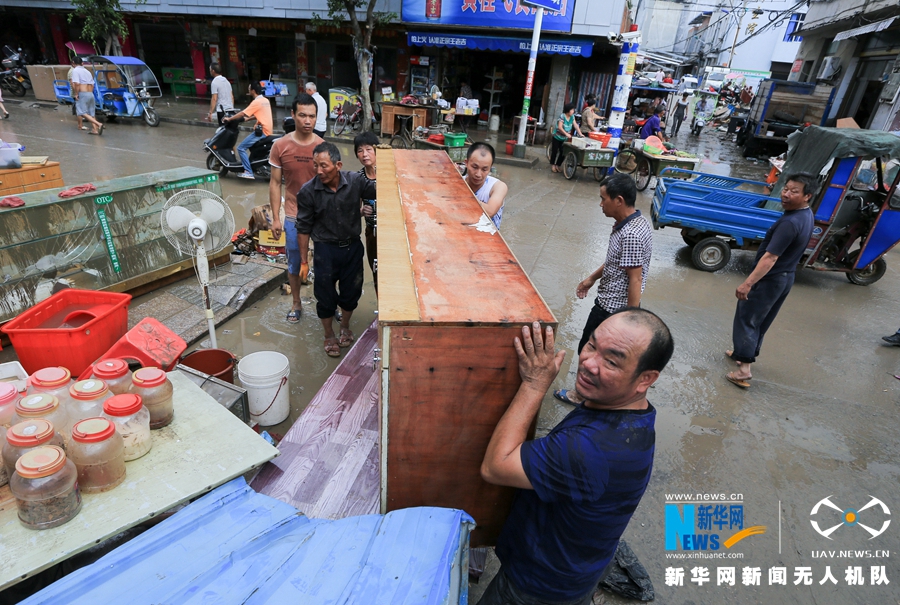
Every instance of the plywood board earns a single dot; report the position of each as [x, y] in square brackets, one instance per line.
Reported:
[397, 292]
[449, 388]
[329, 463]
[462, 275]
[204, 447]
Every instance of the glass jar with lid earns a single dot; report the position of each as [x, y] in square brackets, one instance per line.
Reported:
[115, 373]
[26, 436]
[132, 420]
[88, 397]
[98, 452]
[8, 397]
[45, 486]
[54, 380]
[43, 405]
[154, 387]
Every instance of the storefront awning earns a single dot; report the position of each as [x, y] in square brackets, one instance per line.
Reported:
[865, 29]
[574, 47]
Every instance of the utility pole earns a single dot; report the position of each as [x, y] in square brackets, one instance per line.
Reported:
[738, 31]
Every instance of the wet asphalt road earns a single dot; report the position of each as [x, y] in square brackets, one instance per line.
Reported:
[820, 420]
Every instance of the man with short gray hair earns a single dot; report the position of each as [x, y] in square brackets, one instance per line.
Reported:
[322, 113]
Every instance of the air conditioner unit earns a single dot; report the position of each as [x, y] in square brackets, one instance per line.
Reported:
[831, 67]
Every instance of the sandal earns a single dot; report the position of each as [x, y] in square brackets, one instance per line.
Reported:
[743, 383]
[331, 347]
[347, 338]
[563, 395]
[294, 316]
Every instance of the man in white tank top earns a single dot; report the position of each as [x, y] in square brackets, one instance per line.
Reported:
[490, 191]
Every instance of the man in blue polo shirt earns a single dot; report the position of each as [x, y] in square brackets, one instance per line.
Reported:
[653, 125]
[581, 483]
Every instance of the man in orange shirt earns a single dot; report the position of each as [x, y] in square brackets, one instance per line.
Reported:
[260, 110]
[291, 159]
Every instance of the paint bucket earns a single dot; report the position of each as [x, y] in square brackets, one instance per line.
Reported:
[218, 363]
[265, 375]
[510, 146]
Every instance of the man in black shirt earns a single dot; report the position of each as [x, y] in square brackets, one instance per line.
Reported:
[763, 292]
[328, 211]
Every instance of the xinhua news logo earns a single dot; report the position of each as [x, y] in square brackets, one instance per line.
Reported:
[706, 522]
[875, 510]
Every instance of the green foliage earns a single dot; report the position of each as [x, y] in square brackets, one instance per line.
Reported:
[102, 19]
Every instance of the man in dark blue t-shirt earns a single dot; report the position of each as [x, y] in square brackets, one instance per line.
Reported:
[761, 295]
[653, 125]
[581, 483]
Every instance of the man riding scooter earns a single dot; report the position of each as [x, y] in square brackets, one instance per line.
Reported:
[260, 110]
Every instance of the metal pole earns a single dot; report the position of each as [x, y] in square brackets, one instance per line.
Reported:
[622, 90]
[734, 43]
[529, 82]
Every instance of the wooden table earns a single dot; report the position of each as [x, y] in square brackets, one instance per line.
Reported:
[421, 117]
[204, 447]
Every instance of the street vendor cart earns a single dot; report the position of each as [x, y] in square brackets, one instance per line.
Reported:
[642, 165]
[595, 159]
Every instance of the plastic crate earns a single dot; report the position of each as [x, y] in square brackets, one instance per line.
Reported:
[72, 329]
[454, 140]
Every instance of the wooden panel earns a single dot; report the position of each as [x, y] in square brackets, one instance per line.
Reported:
[328, 466]
[448, 389]
[389, 124]
[205, 446]
[462, 275]
[41, 174]
[397, 292]
[40, 186]
[10, 178]
[4, 191]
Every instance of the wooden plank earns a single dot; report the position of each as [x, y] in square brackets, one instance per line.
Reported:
[205, 446]
[333, 442]
[449, 386]
[40, 160]
[396, 292]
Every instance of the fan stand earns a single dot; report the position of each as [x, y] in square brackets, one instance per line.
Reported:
[203, 273]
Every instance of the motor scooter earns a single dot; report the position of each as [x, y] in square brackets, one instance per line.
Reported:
[698, 124]
[15, 62]
[223, 158]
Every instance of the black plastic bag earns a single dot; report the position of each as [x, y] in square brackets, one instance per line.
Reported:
[626, 577]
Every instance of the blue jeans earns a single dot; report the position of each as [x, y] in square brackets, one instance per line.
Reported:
[753, 316]
[243, 150]
[292, 245]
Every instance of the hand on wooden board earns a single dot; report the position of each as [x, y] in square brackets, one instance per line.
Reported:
[539, 362]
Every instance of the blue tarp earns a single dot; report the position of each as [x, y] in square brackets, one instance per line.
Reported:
[117, 60]
[574, 47]
[236, 546]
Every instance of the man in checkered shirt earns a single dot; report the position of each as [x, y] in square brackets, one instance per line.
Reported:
[624, 274]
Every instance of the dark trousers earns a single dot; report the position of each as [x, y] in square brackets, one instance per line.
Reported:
[753, 316]
[336, 264]
[597, 316]
[556, 155]
[321, 133]
[372, 253]
[676, 123]
[502, 592]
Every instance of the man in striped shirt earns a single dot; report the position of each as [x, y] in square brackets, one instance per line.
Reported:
[624, 274]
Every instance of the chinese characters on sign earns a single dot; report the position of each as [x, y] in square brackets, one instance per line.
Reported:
[777, 576]
[233, 49]
[488, 13]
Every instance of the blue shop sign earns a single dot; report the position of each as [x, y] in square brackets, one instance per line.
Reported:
[573, 46]
[508, 14]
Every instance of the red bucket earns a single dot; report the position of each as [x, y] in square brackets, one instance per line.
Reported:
[510, 146]
[215, 362]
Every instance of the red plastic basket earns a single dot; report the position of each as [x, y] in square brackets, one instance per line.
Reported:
[72, 328]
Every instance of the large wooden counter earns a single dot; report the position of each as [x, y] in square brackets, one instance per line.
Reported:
[30, 177]
[451, 300]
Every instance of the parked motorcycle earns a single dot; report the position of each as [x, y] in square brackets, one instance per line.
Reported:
[9, 82]
[223, 159]
[697, 125]
[347, 116]
[15, 61]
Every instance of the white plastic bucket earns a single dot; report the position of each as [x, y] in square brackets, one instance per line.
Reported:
[494, 123]
[266, 375]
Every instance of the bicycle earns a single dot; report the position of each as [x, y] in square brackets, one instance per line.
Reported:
[345, 118]
[403, 139]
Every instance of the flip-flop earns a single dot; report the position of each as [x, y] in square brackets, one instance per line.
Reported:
[294, 316]
[94, 133]
[331, 347]
[743, 383]
[100, 132]
[346, 339]
[563, 395]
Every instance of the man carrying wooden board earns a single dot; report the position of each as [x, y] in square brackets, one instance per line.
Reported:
[579, 485]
